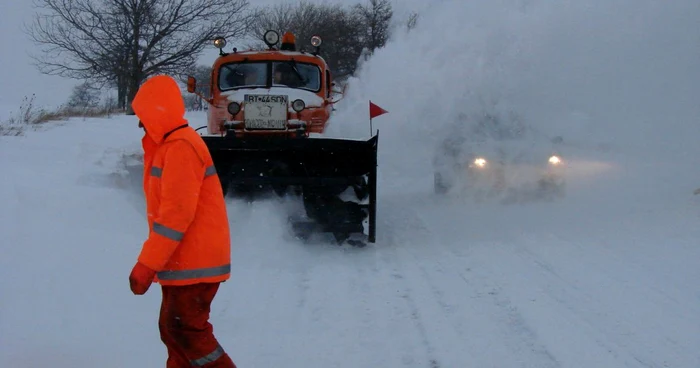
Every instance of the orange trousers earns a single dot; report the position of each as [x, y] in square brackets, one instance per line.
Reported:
[185, 329]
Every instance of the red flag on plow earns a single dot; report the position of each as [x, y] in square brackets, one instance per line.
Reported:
[375, 110]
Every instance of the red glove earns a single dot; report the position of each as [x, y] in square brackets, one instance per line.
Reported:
[141, 278]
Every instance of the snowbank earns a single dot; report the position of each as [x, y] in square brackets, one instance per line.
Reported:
[68, 235]
[5, 112]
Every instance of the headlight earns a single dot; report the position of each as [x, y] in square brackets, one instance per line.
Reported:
[316, 41]
[271, 38]
[480, 162]
[233, 108]
[298, 105]
[220, 43]
[554, 160]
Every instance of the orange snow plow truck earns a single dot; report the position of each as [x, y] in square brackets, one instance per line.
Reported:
[267, 112]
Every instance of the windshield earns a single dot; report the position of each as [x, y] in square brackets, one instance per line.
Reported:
[296, 75]
[284, 74]
[237, 75]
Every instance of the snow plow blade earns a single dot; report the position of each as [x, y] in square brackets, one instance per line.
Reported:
[317, 169]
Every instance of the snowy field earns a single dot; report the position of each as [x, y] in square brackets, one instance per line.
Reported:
[607, 276]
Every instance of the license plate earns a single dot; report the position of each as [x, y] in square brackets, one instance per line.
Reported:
[266, 111]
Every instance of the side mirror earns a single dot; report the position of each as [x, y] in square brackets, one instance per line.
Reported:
[336, 92]
[191, 84]
[192, 88]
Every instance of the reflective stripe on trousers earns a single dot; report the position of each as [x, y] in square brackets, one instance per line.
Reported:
[211, 357]
[158, 171]
[197, 273]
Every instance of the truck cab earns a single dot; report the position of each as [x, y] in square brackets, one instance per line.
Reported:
[273, 92]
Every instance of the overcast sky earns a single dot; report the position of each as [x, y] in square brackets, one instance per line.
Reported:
[20, 78]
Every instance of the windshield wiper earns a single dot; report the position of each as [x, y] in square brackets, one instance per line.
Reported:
[293, 63]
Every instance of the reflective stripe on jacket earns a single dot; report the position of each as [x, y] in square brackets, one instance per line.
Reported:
[188, 239]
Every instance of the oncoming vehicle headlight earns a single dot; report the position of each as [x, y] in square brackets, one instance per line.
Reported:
[298, 105]
[480, 162]
[233, 108]
[554, 160]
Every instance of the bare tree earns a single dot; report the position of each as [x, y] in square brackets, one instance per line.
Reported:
[338, 26]
[412, 21]
[376, 17]
[84, 96]
[348, 33]
[203, 75]
[123, 42]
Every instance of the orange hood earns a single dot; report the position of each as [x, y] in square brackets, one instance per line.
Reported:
[159, 106]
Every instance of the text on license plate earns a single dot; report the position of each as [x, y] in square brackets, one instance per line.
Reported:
[266, 111]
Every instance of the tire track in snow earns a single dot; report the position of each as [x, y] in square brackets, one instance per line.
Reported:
[303, 288]
[549, 322]
[550, 307]
[602, 321]
[417, 320]
[481, 302]
[483, 294]
[568, 300]
[441, 315]
[399, 223]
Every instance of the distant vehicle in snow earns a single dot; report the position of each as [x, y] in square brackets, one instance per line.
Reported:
[490, 156]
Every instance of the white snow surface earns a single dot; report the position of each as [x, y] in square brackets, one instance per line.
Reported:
[606, 277]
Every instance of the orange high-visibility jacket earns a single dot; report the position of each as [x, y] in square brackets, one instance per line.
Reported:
[188, 240]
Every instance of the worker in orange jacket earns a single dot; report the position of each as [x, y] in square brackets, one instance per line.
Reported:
[188, 246]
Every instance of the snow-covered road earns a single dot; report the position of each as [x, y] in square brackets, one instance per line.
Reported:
[606, 277]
